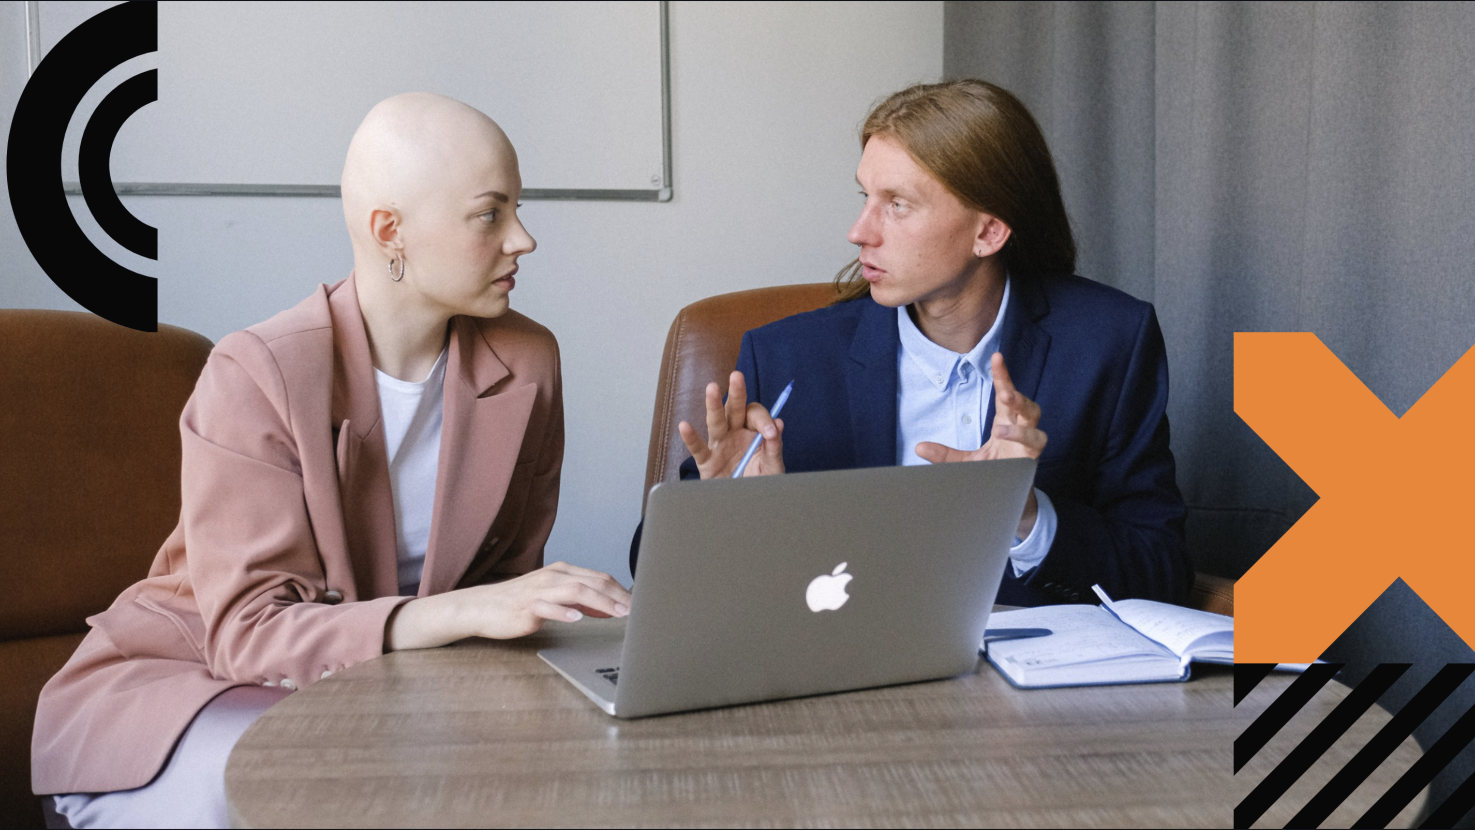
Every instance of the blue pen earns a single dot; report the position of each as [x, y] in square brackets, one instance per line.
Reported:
[778, 406]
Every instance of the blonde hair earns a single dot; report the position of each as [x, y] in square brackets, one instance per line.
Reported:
[982, 144]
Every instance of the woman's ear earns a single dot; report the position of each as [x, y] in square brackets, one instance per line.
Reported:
[992, 234]
[384, 229]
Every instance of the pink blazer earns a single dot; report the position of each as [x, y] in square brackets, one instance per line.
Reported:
[282, 566]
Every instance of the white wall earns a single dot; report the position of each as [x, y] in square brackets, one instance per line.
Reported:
[766, 101]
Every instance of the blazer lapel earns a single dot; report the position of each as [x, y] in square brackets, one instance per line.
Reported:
[312, 390]
[870, 377]
[1022, 341]
[363, 462]
[481, 435]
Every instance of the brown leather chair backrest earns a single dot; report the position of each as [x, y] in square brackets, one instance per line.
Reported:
[89, 490]
[702, 347]
[1212, 593]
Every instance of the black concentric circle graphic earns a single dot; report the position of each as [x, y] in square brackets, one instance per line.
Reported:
[34, 156]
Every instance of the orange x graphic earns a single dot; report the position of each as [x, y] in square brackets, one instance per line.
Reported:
[1396, 497]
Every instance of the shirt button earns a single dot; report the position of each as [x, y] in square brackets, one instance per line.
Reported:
[967, 419]
[333, 597]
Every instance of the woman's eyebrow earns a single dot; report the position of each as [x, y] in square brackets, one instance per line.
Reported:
[498, 195]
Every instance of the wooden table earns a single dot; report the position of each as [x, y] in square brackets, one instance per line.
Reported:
[485, 733]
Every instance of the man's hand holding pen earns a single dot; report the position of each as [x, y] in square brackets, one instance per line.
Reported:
[731, 429]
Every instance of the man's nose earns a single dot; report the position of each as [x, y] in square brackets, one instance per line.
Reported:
[862, 232]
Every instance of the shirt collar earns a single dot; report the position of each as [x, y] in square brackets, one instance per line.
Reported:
[939, 364]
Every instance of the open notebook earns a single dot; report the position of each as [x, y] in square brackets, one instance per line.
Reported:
[1131, 641]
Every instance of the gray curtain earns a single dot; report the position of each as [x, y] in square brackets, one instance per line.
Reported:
[1257, 167]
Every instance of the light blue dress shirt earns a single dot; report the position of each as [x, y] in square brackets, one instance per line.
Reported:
[943, 396]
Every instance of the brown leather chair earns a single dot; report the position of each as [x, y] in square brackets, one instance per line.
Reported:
[89, 489]
[1212, 593]
[702, 347]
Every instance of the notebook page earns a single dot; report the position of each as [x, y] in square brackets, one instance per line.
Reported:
[1176, 627]
[1082, 634]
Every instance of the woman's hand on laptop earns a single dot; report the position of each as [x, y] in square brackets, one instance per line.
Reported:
[503, 610]
[730, 429]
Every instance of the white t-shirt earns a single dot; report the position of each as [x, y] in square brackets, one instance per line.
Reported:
[412, 422]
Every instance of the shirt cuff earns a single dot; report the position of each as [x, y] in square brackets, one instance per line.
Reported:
[1028, 554]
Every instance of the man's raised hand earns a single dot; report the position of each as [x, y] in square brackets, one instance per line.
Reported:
[1016, 431]
[730, 429]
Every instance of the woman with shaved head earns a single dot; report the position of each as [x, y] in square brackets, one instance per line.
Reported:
[375, 469]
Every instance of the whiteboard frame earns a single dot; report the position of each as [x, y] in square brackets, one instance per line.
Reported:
[662, 194]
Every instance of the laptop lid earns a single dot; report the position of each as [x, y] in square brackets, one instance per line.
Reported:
[799, 584]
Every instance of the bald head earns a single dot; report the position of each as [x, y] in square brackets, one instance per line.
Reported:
[430, 190]
[416, 149]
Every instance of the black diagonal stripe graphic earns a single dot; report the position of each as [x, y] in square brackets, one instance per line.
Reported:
[1421, 773]
[1377, 750]
[1314, 745]
[1247, 676]
[1277, 714]
[1455, 807]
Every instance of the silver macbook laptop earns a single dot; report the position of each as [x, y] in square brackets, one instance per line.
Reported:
[783, 586]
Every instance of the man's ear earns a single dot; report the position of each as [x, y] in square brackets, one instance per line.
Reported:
[384, 229]
[992, 234]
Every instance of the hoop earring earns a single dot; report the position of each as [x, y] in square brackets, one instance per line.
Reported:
[401, 270]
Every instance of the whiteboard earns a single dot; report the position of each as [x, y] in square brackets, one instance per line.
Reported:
[264, 97]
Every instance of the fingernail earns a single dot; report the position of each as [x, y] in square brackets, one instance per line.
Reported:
[621, 610]
[574, 616]
[770, 432]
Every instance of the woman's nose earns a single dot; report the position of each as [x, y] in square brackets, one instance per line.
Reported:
[520, 241]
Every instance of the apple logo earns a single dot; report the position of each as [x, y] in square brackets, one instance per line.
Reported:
[826, 592]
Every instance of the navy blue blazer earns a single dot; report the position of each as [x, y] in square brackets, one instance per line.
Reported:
[1091, 356]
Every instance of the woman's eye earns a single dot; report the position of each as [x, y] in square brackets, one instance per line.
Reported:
[489, 217]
